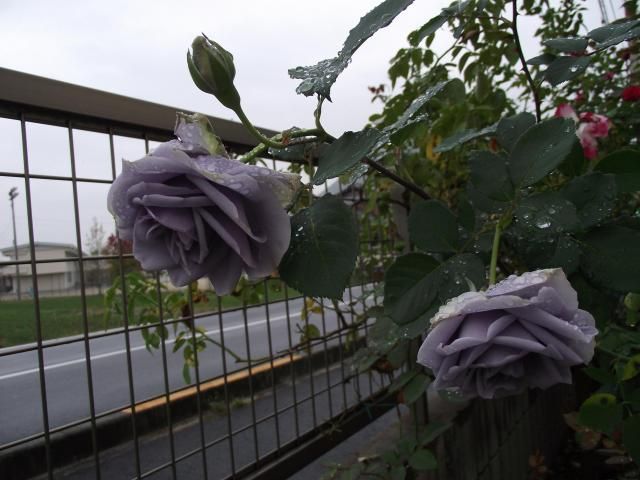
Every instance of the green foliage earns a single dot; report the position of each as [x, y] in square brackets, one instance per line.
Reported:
[344, 153]
[319, 78]
[323, 249]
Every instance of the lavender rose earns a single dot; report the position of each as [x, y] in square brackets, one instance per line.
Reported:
[194, 212]
[526, 331]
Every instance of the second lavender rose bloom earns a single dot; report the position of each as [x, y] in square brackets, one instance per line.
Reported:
[524, 332]
[191, 210]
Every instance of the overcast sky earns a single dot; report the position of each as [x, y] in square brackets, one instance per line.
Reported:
[138, 48]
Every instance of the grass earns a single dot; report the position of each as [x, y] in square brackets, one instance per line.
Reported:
[62, 316]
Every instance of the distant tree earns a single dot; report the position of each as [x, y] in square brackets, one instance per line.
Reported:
[115, 246]
[94, 243]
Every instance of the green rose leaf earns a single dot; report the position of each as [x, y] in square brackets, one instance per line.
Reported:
[631, 368]
[436, 22]
[490, 176]
[323, 249]
[543, 214]
[345, 153]
[318, 79]
[401, 380]
[565, 68]
[631, 436]
[567, 44]
[415, 388]
[541, 149]
[405, 272]
[510, 129]
[544, 59]
[434, 228]
[611, 257]
[398, 473]
[627, 36]
[625, 165]
[462, 137]
[427, 29]
[612, 30]
[432, 431]
[594, 196]
[410, 114]
[601, 412]
[560, 251]
[408, 297]
[423, 460]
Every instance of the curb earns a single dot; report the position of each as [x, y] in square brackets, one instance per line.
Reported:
[30, 459]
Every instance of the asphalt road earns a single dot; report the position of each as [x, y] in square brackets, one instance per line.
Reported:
[66, 368]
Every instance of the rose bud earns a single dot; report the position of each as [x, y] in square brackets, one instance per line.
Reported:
[524, 332]
[194, 212]
[213, 71]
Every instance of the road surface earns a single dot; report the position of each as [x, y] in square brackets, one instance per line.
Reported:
[66, 368]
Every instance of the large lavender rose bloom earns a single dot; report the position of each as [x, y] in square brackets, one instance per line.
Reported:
[526, 331]
[194, 212]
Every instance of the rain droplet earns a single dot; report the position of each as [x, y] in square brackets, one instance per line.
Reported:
[543, 222]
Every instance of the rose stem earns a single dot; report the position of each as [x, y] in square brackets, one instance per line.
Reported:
[523, 61]
[494, 253]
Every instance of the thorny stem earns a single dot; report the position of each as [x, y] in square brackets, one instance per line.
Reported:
[494, 253]
[316, 114]
[412, 187]
[261, 147]
[523, 61]
[254, 131]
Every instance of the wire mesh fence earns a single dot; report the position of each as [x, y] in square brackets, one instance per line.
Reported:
[225, 390]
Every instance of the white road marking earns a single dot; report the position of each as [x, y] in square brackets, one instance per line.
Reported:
[139, 347]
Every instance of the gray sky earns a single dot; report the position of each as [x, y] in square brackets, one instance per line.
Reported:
[138, 48]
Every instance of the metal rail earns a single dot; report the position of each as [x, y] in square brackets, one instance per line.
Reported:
[293, 400]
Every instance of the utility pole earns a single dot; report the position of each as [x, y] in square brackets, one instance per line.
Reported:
[13, 193]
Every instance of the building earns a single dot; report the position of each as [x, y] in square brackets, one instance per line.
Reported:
[54, 278]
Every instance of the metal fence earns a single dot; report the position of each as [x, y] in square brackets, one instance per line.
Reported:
[81, 399]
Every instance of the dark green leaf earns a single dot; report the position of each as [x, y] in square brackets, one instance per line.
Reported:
[432, 431]
[401, 380]
[489, 176]
[594, 301]
[541, 149]
[344, 153]
[462, 137]
[323, 249]
[413, 297]
[409, 114]
[611, 257]
[423, 460]
[600, 375]
[433, 227]
[415, 388]
[554, 251]
[594, 196]
[436, 22]
[612, 30]
[427, 29]
[565, 68]
[544, 214]
[510, 129]
[601, 413]
[405, 272]
[625, 165]
[398, 473]
[318, 79]
[567, 44]
[631, 437]
[544, 59]
[631, 368]
[625, 37]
